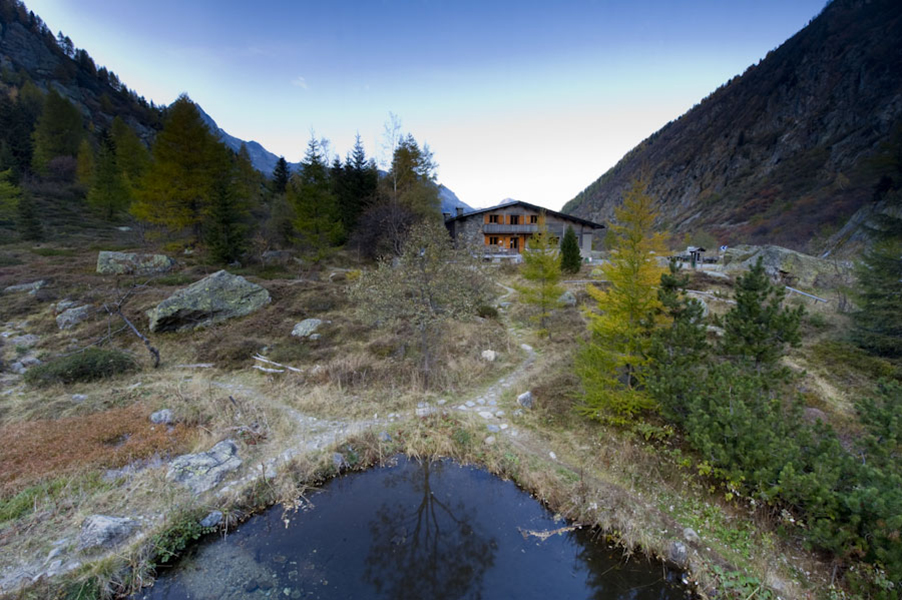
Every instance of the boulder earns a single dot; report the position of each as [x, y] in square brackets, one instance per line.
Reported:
[102, 531]
[305, 328]
[567, 299]
[690, 536]
[786, 266]
[211, 300]
[526, 400]
[202, 471]
[131, 263]
[162, 417]
[72, 317]
[489, 355]
[212, 520]
[32, 288]
[678, 554]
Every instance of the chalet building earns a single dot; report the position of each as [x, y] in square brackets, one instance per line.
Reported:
[504, 229]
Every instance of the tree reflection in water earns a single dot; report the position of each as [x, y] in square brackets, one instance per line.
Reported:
[427, 551]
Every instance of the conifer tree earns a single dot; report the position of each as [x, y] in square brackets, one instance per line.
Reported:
[108, 194]
[28, 221]
[357, 181]
[9, 195]
[132, 155]
[84, 172]
[58, 131]
[316, 208]
[571, 260]
[280, 176]
[758, 328]
[611, 363]
[175, 189]
[878, 321]
[412, 178]
[542, 269]
[226, 227]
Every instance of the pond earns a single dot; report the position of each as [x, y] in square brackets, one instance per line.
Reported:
[413, 531]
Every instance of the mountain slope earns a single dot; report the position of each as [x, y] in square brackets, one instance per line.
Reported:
[262, 159]
[788, 151]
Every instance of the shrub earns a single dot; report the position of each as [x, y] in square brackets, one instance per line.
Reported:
[93, 363]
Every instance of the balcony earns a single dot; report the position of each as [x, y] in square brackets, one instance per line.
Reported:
[489, 228]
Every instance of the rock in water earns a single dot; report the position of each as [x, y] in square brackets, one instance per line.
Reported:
[204, 470]
[213, 299]
[103, 531]
[131, 263]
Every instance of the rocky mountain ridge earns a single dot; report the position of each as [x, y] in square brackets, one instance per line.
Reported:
[787, 152]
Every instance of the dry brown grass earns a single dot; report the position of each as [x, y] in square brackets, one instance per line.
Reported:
[36, 450]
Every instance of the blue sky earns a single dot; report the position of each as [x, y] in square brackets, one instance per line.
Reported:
[527, 100]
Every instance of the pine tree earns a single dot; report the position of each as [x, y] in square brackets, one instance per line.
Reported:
[611, 364]
[679, 351]
[175, 189]
[571, 260]
[316, 208]
[280, 177]
[878, 321]
[108, 194]
[58, 131]
[759, 328]
[542, 269]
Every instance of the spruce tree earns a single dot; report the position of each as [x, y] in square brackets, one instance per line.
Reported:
[316, 208]
[108, 194]
[571, 260]
[612, 363]
[878, 321]
[280, 176]
[226, 226]
[542, 270]
[358, 183]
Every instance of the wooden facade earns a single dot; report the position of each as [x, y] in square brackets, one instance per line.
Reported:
[505, 229]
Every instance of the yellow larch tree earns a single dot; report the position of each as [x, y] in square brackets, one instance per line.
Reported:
[611, 363]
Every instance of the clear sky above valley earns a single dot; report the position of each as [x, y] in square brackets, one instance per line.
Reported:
[527, 100]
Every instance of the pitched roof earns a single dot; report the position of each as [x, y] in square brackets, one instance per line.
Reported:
[534, 207]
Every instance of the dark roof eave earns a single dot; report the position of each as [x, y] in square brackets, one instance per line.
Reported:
[548, 211]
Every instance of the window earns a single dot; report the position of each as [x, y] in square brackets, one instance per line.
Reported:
[493, 218]
[533, 219]
[494, 241]
[515, 243]
[515, 219]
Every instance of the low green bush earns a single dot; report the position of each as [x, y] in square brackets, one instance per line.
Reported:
[93, 363]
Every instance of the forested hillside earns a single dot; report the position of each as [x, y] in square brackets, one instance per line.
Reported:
[787, 152]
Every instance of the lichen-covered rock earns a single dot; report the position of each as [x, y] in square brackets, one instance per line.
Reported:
[306, 328]
[787, 266]
[162, 417]
[72, 317]
[567, 299]
[202, 471]
[32, 288]
[104, 531]
[211, 300]
[131, 263]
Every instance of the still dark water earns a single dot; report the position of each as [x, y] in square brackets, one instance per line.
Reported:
[413, 531]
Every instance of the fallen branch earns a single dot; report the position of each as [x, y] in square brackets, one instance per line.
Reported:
[271, 362]
[196, 366]
[265, 370]
[153, 351]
